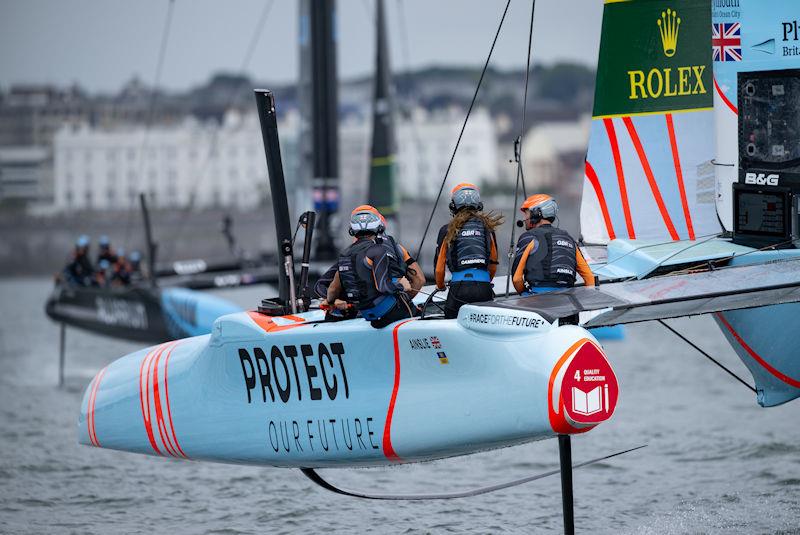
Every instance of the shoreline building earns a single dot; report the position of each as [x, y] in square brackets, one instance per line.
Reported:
[204, 165]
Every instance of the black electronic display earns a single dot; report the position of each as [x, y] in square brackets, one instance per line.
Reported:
[761, 213]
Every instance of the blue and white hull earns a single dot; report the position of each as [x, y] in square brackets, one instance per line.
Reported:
[290, 391]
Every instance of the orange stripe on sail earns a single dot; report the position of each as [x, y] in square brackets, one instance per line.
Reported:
[623, 190]
[679, 175]
[637, 143]
[727, 102]
[591, 175]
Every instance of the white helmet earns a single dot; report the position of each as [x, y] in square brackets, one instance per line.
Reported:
[366, 219]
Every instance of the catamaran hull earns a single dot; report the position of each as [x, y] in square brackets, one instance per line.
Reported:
[286, 392]
[766, 340]
[148, 315]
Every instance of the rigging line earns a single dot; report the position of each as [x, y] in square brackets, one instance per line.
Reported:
[463, 127]
[649, 245]
[248, 56]
[706, 355]
[162, 52]
[676, 253]
[731, 257]
[518, 151]
[314, 476]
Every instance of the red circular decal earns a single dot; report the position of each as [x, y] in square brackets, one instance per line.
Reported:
[589, 388]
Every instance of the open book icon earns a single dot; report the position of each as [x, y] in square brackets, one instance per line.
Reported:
[587, 403]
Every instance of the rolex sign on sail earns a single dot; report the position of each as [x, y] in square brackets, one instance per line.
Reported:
[649, 172]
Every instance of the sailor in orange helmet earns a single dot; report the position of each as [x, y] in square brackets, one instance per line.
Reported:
[468, 248]
[546, 258]
[365, 273]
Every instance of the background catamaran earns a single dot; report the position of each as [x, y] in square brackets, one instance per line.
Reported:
[281, 387]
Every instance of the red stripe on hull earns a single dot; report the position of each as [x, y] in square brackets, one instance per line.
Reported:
[144, 396]
[755, 356]
[679, 175]
[90, 409]
[591, 175]
[648, 171]
[169, 410]
[388, 450]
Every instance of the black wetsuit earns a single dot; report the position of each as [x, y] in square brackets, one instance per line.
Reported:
[365, 271]
[471, 259]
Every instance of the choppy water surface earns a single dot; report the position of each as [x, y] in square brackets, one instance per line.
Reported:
[716, 462]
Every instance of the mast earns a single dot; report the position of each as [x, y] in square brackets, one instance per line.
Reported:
[265, 101]
[318, 51]
[152, 247]
[382, 187]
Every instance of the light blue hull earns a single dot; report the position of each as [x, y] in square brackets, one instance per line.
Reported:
[766, 339]
[290, 392]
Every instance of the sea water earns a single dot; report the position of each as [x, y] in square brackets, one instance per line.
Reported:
[716, 462]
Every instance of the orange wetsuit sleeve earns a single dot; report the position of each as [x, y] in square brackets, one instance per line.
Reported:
[583, 268]
[492, 256]
[519, 273]
[406, 256]
[441, 264]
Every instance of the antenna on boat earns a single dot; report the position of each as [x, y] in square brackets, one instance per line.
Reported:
[286, 302]
[152, 247]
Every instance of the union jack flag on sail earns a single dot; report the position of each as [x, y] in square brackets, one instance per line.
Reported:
[726, 41]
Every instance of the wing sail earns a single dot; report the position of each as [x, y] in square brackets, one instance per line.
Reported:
[648, 168]
[672, 296]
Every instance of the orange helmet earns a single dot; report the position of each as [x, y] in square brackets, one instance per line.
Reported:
[541, 206]
[366, 218]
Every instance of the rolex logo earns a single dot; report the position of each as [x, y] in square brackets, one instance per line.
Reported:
[668, 25]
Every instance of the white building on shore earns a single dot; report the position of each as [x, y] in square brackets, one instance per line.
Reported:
[209, 166]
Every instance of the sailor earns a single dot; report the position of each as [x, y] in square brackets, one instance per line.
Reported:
[103, 274]
[121, 270]
[136, 267]
[364, 274]
[79, 271]
[407, 267]
[546, 258]
[105, 252]
[467, 246]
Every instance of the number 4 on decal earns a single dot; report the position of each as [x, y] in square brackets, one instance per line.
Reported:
[577, 375]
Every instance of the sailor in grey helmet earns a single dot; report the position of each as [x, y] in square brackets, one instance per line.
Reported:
[546, 258]
[467, 247]
[364, 274]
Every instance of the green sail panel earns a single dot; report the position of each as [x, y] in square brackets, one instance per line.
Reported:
[655, 57]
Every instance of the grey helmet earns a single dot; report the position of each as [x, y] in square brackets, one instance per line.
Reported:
[465, 195]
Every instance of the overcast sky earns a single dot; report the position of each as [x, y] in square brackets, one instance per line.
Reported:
[101, 44]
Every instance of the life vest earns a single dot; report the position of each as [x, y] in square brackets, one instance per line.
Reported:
[554, 261]
[356, 278]
[398, 267]
[471, 247]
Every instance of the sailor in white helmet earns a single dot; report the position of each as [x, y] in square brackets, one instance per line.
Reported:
[364, 273]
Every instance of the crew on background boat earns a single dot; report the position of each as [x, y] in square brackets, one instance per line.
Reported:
[79, 271]
[547, 258]
[106, 252]
[121, 270]
[467, 246]
[137, 275]
[364, 274]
